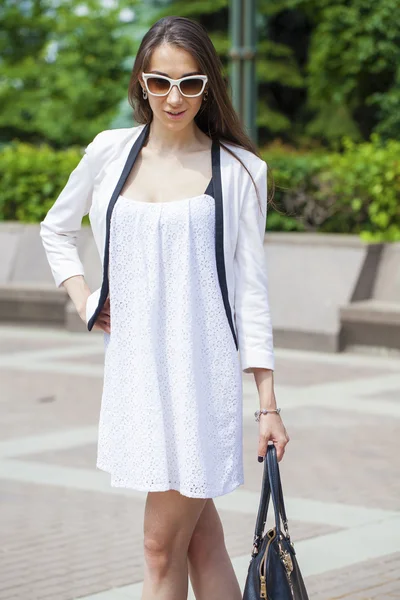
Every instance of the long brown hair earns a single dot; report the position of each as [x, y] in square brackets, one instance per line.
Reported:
[216, 118]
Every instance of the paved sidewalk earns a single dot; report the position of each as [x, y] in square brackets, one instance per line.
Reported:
[66, 534]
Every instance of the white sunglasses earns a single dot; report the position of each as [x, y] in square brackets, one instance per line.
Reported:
[160, 85]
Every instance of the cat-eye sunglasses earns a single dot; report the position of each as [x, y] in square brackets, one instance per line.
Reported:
[160, 85]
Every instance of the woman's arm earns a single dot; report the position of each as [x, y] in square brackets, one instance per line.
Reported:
[264, 379]
[271, 425]
[60, 227]
[78, 290]
[252, 313]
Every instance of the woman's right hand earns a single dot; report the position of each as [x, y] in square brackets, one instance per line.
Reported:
[103, 320]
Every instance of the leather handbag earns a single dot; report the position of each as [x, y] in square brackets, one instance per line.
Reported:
[273, 572]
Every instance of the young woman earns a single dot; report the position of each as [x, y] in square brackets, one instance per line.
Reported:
[177, 207]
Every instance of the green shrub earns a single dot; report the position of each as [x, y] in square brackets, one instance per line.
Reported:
[31, 179]
[293, 175]
[356, 191]
[364, 190]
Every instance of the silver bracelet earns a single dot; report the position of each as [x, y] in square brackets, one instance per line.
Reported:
[264, 411]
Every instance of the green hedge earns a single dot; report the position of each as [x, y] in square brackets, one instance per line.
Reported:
[31, 179]
[356, 191]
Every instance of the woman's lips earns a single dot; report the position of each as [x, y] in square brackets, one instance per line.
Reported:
[175, 117]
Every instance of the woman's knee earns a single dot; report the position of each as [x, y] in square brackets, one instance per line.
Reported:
[169, 523]
[158, 553]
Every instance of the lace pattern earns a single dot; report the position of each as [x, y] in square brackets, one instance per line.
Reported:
[171, 413]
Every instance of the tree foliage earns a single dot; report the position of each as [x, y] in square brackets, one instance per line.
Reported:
[354, 67]
[325, 68]
[62, 70]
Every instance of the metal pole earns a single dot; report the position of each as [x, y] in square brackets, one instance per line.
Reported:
[249, 75]
[235, 27]
[242, 67]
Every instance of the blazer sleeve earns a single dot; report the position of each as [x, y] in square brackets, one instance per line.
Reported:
[60, 227]
[252, 311]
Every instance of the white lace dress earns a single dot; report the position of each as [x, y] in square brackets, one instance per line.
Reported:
[171, 412]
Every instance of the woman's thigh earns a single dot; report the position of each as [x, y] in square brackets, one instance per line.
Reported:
[170, 519]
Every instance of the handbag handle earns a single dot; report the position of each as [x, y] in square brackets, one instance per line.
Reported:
[276, 488]
[271, 481]
[262, 509]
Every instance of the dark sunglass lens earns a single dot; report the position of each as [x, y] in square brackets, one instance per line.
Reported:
[157, 85]
[191, 87]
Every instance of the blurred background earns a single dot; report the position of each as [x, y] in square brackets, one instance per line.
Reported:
[326, 112]
[318, 88]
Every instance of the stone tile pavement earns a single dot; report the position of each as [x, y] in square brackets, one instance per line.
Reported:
[66, 534]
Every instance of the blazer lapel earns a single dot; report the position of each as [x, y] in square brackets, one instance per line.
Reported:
[140, 140]
[219, 233]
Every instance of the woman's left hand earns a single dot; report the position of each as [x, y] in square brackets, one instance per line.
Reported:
[271, 428]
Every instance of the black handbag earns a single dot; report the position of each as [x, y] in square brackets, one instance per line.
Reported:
[273, 572]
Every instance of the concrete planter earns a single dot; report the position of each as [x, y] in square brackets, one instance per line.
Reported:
[322, 284]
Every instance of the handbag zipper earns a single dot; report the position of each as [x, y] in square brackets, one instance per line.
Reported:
[263, 589]
[263, 584]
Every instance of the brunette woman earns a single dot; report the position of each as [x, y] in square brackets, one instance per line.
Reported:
[177, 206]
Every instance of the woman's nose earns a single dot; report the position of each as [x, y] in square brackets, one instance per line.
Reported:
[174, 94]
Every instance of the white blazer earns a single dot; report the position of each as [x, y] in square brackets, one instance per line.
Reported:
[93, 188]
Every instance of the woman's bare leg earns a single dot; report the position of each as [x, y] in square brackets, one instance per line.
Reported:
[210, 569]
[169, 521]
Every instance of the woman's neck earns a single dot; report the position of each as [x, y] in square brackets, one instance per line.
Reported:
[162, 140]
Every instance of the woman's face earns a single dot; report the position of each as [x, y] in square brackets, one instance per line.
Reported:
[175, 63]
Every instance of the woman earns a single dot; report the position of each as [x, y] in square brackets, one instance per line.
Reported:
[177, 208]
